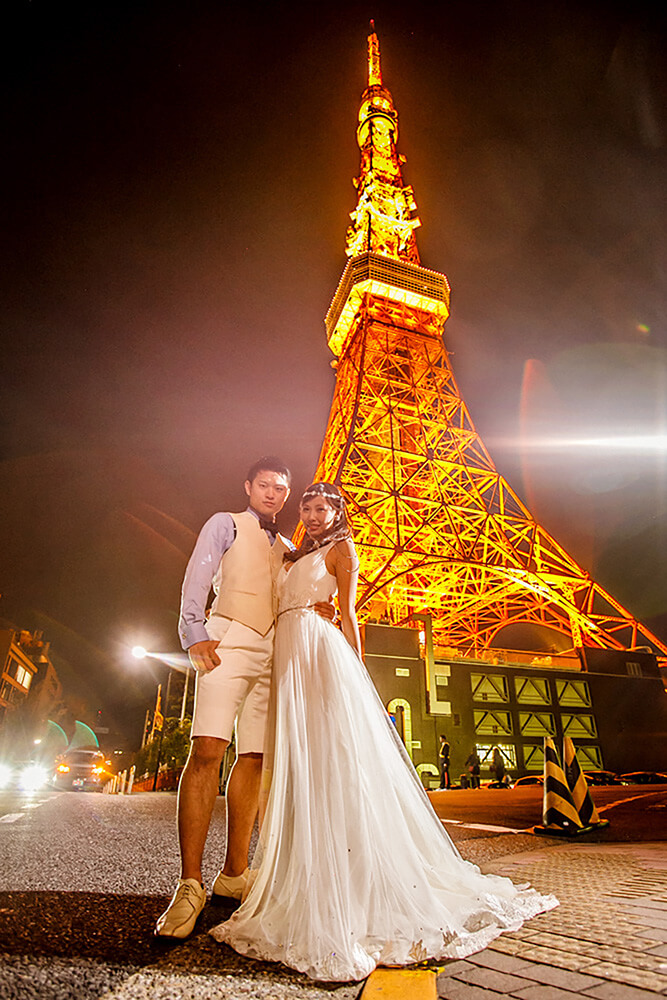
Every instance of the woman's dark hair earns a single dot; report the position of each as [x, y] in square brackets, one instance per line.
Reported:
[338, 530]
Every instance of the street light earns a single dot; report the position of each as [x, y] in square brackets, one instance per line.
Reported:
[174, 661]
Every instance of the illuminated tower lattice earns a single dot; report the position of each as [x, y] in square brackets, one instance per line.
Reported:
[437, 528]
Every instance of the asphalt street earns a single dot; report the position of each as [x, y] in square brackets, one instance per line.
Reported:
[85, 875]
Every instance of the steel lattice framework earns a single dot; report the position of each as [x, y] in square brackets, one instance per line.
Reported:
[436, 526]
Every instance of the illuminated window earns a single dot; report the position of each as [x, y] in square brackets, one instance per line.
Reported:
[23, 676]
[590, 758]
[536, 724]
[493, 723]
[532, 690]
[489, 687]
[533, 757]
[579, 725]
[485, 753]
[573, 693]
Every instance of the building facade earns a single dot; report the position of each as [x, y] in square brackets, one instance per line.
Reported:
[612, 706]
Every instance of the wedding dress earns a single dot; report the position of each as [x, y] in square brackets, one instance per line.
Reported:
[353, 868]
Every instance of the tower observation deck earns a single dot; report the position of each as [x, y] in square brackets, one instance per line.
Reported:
[438, 529]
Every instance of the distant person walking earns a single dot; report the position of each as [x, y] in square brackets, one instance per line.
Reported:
[443, 760]
[498, 766]
[474, 766]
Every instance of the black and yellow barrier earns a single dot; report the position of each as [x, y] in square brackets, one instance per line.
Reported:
[579, 789]
[559, 813]
[567, 806]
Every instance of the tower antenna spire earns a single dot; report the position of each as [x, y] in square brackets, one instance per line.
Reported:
[374, 67]
[383, 221]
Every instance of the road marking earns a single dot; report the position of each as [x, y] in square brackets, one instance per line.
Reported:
[631, 798]
[11, 817]
[482, 826]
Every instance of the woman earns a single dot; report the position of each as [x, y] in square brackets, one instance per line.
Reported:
[353, 868]
[498, 767]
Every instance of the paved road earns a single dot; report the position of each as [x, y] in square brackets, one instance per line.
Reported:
[85, 875]
[635, 812]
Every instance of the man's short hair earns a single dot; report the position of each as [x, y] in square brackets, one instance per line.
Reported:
[269, 463]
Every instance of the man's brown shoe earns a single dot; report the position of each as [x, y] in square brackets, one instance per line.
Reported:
[229, 886]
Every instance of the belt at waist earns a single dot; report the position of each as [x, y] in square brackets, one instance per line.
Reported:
[300, 607]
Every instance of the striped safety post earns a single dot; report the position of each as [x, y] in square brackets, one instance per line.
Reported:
[559, 813]
[579, 789]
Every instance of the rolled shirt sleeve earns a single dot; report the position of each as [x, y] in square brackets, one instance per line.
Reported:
[214, 539]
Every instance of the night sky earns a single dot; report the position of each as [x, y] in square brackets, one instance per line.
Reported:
[177, 178]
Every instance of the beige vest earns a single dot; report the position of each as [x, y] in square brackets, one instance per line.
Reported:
[244, 581]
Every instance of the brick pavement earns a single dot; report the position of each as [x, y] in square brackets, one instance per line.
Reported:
[607, 940]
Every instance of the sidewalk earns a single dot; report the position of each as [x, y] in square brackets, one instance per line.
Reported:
[606, 940]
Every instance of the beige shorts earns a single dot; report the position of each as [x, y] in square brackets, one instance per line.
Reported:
[238, 689]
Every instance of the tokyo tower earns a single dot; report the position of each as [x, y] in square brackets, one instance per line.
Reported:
[437, 528]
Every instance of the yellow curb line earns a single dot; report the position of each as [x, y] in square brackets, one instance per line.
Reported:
[400, 984]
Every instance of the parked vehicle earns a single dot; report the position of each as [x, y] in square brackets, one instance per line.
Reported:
[602, 778]
[80, 770]
[529, 779]
[644, 778]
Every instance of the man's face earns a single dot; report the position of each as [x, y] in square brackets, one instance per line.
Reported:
[267, 492]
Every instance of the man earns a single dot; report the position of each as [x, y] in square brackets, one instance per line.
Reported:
[239, 555]
[443, 758]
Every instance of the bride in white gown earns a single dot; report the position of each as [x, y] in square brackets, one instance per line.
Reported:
[353, 867]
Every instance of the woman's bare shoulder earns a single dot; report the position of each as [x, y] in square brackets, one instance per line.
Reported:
[345, 554]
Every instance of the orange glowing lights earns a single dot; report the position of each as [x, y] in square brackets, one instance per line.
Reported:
[437, 528]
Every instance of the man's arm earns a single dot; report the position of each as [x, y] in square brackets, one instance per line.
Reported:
[214, 539]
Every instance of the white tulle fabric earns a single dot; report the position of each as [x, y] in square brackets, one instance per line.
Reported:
[353, 868]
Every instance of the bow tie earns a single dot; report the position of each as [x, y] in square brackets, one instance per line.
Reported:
[269, 526]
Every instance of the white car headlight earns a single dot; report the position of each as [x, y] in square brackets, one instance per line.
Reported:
[33, 777]
[5, 775]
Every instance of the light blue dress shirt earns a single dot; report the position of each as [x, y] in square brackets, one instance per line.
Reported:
[214, 539]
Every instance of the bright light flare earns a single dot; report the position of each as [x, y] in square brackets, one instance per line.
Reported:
[177, 661]
[5, 775]
[33, 777]
[617, 442]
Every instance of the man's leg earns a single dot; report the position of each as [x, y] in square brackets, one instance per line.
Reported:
[242, 804]
[196, 797]
[197, 793]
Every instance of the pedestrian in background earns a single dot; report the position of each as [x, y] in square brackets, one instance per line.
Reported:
[443, 759]
[498, 766]
[474, 766]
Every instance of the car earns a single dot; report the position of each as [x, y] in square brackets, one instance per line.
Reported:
[529, 779]
[23, 775]
[80, 770]
[644, 778]
[602, 778]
